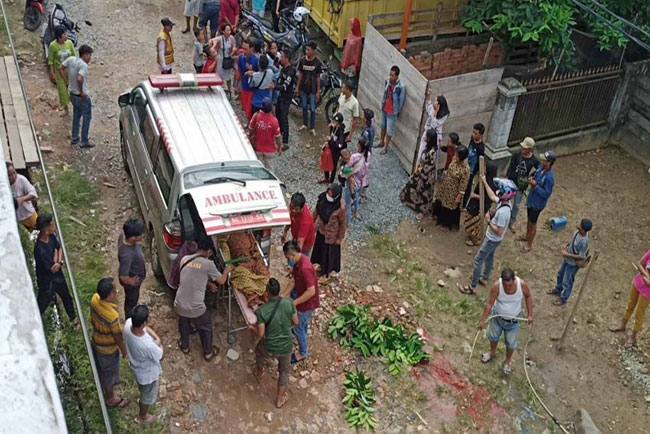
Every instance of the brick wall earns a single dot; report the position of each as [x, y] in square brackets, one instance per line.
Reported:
[456, 61]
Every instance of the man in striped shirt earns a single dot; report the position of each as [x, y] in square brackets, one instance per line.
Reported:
[107, 340]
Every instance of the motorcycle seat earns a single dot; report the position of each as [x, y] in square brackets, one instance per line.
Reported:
[268, 27]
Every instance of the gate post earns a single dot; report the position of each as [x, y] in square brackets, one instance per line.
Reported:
[496, 148]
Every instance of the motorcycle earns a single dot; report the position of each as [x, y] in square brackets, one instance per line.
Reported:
[58, 17]
[330, 89]
[294, 37]
[34, 14]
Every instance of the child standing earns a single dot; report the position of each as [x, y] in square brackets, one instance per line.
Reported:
[369, 134]
[199, 60]
[335, 144]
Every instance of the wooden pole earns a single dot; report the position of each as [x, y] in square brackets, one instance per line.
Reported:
[560, 345]
[481, 192]
[487, 52]
[405, 25]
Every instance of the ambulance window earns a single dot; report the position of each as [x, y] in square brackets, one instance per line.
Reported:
[140, 105]
[164, 172]
[149, 137]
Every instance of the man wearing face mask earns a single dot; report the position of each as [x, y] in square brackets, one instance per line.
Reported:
[303, 288]
[302, 224]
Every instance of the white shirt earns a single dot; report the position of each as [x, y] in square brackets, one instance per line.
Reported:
[509, 305]
[144, 355]
[76, 67]
[501, 220]
[22, 187]
[349, 108]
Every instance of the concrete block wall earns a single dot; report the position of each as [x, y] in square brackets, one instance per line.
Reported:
[457, 61]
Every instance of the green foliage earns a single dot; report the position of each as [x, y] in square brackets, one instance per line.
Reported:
[359, 399]
[551, 22]
[355, 328]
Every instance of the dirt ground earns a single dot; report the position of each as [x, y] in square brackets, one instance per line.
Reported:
[447, 395]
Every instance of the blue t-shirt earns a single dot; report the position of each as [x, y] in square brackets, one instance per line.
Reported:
[242, 63]
[538, 196]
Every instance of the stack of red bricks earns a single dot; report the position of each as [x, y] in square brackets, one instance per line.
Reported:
[456, 61]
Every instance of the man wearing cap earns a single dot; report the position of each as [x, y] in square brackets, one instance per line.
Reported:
[165, 47]
[541, 188]
[264, 131]
[576, 250]
[520, 168]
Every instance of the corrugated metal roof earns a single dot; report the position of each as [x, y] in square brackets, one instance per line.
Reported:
[201, 126]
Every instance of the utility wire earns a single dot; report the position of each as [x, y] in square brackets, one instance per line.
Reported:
[623, 20]
[611, 25]
[84, 327]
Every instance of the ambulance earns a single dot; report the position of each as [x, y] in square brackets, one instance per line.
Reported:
[193, 168]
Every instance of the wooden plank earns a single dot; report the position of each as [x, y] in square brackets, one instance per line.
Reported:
[27, 141]
[463, 125]
[3, 130]
[470, 79]
[13, 136]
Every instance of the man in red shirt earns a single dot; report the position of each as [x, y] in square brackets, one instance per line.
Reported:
[302, 224]
[265, 134]
[229, 13]
[303, 288]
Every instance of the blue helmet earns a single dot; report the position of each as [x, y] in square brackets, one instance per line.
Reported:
[506, 188]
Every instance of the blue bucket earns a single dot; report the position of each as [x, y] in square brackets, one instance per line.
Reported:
[558, 223]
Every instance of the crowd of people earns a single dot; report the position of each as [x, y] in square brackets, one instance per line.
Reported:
[264, 80]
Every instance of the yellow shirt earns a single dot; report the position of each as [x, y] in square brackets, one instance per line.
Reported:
[106, 325]
[169, 48]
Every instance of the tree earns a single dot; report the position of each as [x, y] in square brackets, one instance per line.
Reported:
[551, 22]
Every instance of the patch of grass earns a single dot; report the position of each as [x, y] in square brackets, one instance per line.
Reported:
[27, 43]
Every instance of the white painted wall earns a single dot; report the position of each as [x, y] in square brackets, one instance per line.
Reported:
[29, 400]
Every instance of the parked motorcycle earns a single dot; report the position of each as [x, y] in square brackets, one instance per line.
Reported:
[58, 17]
[34, 14]
[330, 89]
[294, 37]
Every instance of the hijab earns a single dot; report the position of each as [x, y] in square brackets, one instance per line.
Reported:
[353, 47]
[324, 207]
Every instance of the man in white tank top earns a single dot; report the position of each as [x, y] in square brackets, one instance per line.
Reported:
[506, 296]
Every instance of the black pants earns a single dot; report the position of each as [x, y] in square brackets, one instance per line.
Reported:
[131, 297]
[203, 326]
[46, 295]
[282, 113]
[336, 156]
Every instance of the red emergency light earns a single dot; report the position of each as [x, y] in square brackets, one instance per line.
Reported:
[169, 81]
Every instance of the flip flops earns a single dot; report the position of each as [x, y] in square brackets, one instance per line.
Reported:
[295, 360]
[486, 358]
[212, 355]
[180, 346]
[467, 290]
[120, 404]
[507, 369]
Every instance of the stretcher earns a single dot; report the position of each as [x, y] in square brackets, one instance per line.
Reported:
[230, 292]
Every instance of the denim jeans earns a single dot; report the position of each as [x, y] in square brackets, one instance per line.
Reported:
[81, 108]
[515, 206]
[300, 331]
[484, 261]
[210, 13]
[565, 278]
[349, 202]
[308, 104]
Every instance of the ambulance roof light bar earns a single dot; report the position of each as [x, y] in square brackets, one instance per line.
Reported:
[170, 81]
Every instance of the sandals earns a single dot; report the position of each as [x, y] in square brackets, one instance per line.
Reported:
[180, 346]
[486, 358]
[120, 404]
[482, 282]
[559, 302]
[283, 400]
[507, 369]
[212, 355]
[467, 290]
[295, 360]
[149, 421]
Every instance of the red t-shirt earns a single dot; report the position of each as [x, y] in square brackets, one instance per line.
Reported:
[266, 128]
[228, 9]
[305, 277]
[302, 226]
[389, 106]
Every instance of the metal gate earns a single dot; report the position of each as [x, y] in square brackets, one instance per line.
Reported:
[564, 104]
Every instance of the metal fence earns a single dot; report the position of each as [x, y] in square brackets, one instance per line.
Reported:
[564, 104]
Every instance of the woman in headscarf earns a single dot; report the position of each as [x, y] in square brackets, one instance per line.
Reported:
[418, 193]
[472, 217]
[188, 248]
[449, 196]
[330, 218]
[351, 59]
[60, 49]
[437, 114]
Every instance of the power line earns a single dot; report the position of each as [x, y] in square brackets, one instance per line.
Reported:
[623, 20]
[611, 25]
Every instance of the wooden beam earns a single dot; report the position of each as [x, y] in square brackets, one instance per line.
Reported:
[405, 26]
[27, 141]
[13, 135]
